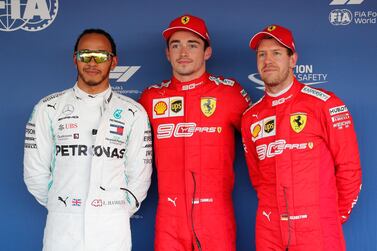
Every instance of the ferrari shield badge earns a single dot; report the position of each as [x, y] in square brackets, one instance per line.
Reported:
[298, 121]
[208, 106]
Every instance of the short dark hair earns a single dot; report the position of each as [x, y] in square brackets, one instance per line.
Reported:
[100, 32]
[206, 43]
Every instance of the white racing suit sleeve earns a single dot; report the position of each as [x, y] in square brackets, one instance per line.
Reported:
[38, 154]
[138, 164]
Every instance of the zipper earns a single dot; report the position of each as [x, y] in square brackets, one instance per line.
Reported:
[289, 220]
[197, 241]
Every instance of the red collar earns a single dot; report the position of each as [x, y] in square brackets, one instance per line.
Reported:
[189, 85]
[285, 97]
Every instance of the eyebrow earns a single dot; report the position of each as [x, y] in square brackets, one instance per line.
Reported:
[189, 41]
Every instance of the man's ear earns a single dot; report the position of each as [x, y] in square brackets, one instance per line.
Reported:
[208, 53]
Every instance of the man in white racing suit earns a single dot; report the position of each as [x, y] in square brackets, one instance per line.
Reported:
[88, 155]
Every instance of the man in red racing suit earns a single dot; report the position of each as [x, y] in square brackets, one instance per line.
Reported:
[193, 117]
[302, 154]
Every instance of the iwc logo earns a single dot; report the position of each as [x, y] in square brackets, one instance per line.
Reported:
[28, 15]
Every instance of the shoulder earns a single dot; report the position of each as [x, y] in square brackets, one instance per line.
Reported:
[254, 106]
[318, 94]
[163, 84]
[128, 103]
[53, 97]
[323, 97]
[52, 100]
[221, 81]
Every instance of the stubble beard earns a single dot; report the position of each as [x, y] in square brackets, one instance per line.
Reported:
[274, 81]
[90, 82]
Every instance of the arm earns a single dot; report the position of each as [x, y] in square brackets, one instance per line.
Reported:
[250, 153]
[240, 102]
[138, 162]
[342, 142]
[38, 154]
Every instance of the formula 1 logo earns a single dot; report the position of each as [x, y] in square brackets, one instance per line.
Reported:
[123, 73]
[28, 15]
[344, 2]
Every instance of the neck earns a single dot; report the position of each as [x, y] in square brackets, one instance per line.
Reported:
[187, 78]
[278, 87]
[93, 89]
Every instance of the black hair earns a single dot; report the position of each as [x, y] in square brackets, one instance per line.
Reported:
[97, 31]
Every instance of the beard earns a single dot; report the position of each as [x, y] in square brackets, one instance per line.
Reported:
[276, 78]
[90, 81]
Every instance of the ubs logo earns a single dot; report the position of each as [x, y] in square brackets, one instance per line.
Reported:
[28, 15]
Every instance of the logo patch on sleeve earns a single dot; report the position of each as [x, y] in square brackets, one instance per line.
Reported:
[315, 93]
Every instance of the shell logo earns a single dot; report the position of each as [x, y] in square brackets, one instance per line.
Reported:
[160, 108]
[256, 131]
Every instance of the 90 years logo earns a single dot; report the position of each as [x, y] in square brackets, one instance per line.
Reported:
[28, 15]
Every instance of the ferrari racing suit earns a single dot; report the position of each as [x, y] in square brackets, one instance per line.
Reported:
[193, 125]
[303, 160]
[88, 160]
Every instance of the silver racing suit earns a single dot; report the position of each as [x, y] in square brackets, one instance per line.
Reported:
[88, 161]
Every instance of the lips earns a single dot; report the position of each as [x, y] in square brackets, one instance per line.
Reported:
[92, 71]
[184, 61]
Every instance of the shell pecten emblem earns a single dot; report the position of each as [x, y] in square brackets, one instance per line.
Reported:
[160, 108]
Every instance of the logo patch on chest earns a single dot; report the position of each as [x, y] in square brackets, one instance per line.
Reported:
[208, 106]
[298, 121]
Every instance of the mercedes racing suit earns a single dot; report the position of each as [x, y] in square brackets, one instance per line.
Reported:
[193, 125]
[303, 160]
[88, 160]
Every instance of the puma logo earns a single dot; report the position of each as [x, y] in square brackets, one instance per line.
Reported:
[172, 201]
[133, 112]
[64, 201]
[267, 215]
[53, 106]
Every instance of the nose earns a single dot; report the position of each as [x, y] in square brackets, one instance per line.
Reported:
[267, 58]
[92, 61]
[184, 51]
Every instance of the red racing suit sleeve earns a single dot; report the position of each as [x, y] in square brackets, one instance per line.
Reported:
[249, 149]
[342, 142]
[240, 101]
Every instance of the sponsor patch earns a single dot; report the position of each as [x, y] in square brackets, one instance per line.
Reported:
[263, 128]
[116, 129]
[118, 113]
[168, 107]
[340, 117]
[315, 93]
[298, 122]
[76, 202]
[338, 109]
[176, 107]
[342, 124]
[208, 106]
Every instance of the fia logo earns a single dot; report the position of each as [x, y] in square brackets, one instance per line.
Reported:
[28, 15]
[340, 17]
